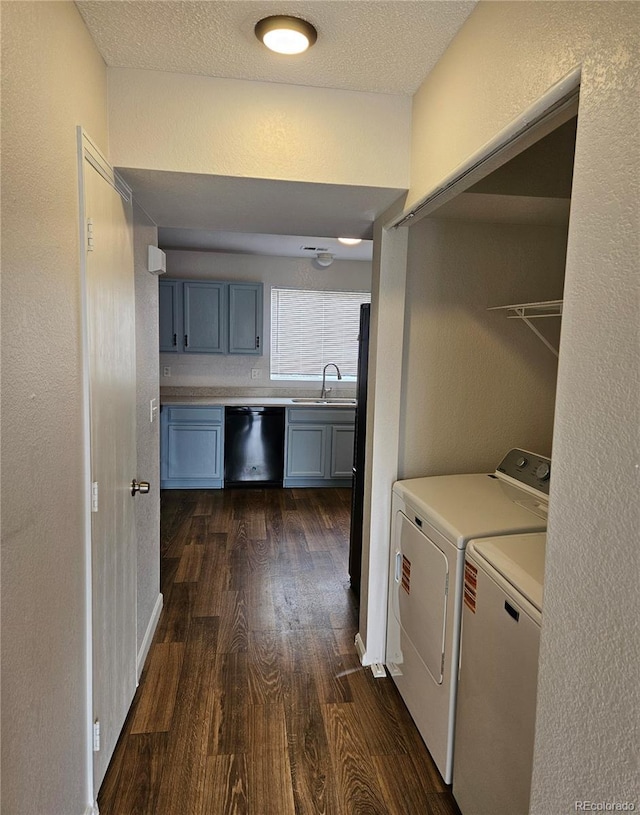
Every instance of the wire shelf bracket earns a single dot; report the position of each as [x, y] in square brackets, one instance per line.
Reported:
[533, 311]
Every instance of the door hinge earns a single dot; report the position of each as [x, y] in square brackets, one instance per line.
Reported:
[90, 245]
[94, 496]
[96, 736]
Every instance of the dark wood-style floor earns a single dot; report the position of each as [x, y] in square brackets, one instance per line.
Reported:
[253, 699]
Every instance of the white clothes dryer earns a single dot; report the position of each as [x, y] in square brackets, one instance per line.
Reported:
[496, 708]
[433, 519]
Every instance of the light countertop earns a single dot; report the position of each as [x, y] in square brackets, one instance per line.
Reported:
[254, 401]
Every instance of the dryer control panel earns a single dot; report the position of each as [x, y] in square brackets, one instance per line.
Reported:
[528, 468]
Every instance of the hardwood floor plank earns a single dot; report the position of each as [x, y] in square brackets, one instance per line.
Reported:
[139, 781]
[356, 779]
[293, 554]
[190, 563]
[233, 622]
[221, 512]
[405, 790]
[265, 680]
[314, 787]
[154, 711]
[331, 669]
[175, 541]
[269, 771]
[182, 788]
[261, 612]
[214, 578]
[260, 553]
[226, 786]
[229, 727]
[204, 504]
[175, 619]
[168, 573]
[378, 711]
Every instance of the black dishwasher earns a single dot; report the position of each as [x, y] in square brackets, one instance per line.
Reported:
[253, 446]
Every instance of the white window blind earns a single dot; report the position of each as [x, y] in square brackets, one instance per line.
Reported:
[311, 328]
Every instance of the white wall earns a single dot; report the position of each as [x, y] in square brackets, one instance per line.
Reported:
[215, 370]
[504, 58]
[474, 383]
[196, 124]
[53, 79]
[147, 508]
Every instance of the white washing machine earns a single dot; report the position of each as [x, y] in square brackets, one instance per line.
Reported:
[433, 518]
[496, 709]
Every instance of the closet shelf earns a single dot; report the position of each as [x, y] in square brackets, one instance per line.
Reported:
[533, 311]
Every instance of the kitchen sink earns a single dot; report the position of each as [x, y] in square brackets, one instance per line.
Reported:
[328, 401]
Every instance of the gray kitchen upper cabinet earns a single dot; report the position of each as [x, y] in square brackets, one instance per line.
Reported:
[170, 314]
[210, 317]
[245, 318]
[204, 317]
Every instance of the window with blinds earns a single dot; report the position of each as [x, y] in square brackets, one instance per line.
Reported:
[311, 328]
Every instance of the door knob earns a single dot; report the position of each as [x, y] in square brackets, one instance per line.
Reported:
[140, 486]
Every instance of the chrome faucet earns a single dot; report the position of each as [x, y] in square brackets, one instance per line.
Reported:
[326, 391]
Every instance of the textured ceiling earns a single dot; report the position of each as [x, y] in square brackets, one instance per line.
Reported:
[381, 47]
[377, 47]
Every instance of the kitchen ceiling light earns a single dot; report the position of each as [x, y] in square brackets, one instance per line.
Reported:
[324, 258]
[350, 241]
[286, 35]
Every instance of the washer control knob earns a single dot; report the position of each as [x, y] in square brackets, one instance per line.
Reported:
[543, 471]
[521, 461]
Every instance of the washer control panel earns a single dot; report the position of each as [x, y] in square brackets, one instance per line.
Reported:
[529, 468]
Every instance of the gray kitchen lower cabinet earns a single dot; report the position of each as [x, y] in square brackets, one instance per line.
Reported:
[319, 447]
[192, 447]
[342, 438]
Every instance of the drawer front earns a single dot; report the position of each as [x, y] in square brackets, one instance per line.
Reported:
[322, 415]
[195, 414]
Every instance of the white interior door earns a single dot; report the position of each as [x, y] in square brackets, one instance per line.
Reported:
[110, 327]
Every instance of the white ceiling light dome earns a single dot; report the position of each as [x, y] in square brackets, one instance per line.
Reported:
[324, 258]
[286, 35]
[350, 241]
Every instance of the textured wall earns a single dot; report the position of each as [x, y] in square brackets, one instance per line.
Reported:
[474, 383]
[504, 58]
[235, 370]
[147, 507]
[196, 124]
[52, 80]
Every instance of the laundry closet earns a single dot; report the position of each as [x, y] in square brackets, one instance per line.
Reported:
[477, 380]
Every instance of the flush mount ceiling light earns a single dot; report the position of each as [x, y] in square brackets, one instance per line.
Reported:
[350, 241]
[286, 35]
[324, 258]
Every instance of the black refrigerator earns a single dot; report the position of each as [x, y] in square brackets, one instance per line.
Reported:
[357, 495]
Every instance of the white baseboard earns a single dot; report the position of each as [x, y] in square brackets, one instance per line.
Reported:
[92, 810]
[148, 637]
[361, 649]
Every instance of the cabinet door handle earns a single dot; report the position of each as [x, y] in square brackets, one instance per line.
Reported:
[186, 340]
[257, 342]
[175, 339]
